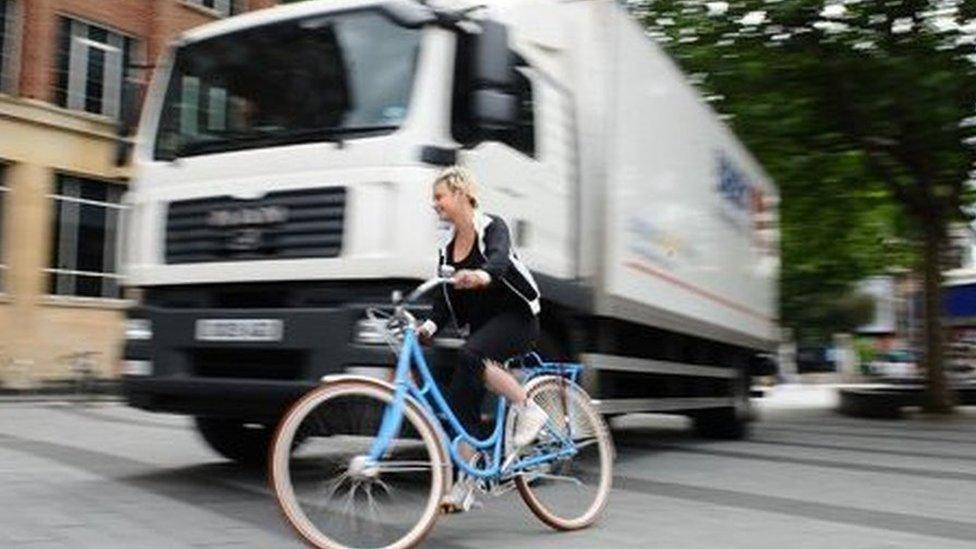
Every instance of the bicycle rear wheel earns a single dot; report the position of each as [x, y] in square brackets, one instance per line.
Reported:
[328, 490]
[568, 493]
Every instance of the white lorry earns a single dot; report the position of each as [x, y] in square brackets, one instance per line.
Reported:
[284, 167]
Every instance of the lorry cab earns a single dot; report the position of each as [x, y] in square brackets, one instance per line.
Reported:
[365, 99]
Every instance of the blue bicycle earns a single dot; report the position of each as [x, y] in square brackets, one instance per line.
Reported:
[364, 462]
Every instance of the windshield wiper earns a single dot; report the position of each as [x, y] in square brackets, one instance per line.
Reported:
[335, 134]
[225, 140]
[231, 140]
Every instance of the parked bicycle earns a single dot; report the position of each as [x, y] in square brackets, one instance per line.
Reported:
[363, 462]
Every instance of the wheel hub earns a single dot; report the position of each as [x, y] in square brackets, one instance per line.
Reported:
[363, 468]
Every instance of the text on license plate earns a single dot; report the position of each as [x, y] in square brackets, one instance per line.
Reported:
[219, 329]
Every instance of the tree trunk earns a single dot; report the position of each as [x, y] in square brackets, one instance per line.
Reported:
[938, 397]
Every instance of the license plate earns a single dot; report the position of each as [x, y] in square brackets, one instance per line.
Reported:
[219, 329]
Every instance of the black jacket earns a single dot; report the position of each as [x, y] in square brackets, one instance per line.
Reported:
[501, 263]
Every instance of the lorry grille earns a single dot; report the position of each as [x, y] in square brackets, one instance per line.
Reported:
[281, 225]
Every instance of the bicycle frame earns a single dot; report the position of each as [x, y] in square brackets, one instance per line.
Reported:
[432, 400]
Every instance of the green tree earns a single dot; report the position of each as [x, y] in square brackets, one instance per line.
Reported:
[863, 112]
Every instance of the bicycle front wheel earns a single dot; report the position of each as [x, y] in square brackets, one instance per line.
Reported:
[331, 494]
[568, 493]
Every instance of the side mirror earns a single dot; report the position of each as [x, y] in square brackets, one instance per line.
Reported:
[493, 106]
[129, 111]
[493, 63]
[128, 120]
[494, 110]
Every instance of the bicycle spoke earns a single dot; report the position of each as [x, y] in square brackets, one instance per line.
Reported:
[548, 476]
[403, 466]
[341, 497]
[584, 443]
[567, 491]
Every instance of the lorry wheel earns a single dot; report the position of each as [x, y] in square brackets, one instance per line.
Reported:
[245, 443]
[721, 424]
[730, 423]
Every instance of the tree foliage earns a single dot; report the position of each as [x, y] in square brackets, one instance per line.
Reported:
[857, 110]
[862, 111]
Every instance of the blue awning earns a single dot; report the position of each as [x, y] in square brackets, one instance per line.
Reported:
[960, 301]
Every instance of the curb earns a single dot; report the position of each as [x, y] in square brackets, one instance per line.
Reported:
[98, 390]
[875, 403]
[80, 400]
[889, 402]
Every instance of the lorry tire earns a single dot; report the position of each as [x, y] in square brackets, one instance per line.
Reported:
[245, 443]
[721, 423]
[731, 423]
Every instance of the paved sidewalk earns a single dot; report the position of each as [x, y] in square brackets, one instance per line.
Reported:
[104, 475]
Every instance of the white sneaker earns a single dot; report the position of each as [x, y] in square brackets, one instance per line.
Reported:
[529, 421]
[460, 498]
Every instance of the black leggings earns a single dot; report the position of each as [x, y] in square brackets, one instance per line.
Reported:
[501, 337]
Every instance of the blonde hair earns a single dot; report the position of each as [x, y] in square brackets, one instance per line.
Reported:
[458, 179]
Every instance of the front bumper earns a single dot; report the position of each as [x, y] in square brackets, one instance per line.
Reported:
[255, 381]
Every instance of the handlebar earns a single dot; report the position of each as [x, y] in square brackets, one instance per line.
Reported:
[392, 325]
[427, 286]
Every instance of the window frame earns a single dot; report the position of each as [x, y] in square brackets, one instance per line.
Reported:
[72, 83]
[10, 42]
[110, 232]
[220, 8]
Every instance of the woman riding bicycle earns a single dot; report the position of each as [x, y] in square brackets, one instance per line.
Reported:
[359, 462]
[496, 296]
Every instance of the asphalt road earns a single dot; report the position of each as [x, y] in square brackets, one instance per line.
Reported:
[103, 475]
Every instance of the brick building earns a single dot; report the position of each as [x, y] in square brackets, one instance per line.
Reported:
[61, 72]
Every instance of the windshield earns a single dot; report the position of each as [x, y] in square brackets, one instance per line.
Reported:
[313, 79]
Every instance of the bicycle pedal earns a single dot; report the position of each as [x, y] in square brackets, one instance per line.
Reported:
[509, 460]
[469, 502]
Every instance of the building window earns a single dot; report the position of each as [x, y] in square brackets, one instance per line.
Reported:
[9, 45]
[92, 62]
[3, 205]
[224, 8]
[86, 218]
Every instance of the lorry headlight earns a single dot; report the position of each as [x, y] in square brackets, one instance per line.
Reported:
[139, 329]
[370, 332]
